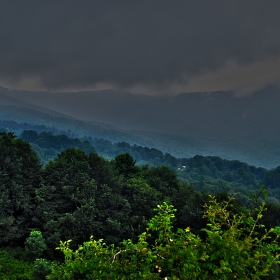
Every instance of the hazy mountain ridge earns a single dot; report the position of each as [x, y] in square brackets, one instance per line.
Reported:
[17, 119]
[7, 100]
[217, 123]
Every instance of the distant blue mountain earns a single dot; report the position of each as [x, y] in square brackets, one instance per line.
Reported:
[217, 123]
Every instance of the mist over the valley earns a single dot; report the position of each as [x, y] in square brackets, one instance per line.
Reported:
[213, 123]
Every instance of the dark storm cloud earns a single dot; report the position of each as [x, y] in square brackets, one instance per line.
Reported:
[80, 44]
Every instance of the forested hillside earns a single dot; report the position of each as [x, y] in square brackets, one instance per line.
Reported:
[79, 194]
[205, 123]
[18, 116]
[209, 173]
[139, 140]
[188, 124]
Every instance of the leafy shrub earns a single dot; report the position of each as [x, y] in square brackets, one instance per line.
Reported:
[35, 244]
[234, 248]
[12, 268]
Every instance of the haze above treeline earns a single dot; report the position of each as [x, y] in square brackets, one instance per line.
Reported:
[216, 123]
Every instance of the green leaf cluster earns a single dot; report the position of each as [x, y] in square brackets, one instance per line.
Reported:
[231, 249]
[13, 267]
[35, 244]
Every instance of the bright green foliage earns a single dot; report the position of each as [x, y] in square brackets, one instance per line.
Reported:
[35, 244]
[232, 249]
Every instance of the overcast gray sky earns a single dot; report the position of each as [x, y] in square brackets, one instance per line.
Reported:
[153, 46]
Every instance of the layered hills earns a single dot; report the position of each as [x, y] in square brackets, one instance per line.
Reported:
[216, 123]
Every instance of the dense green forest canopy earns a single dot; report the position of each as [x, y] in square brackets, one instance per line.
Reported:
[202, 172]
[209, 173]
[79, 193]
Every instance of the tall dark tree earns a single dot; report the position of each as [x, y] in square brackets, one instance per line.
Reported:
[67, 199]
[100, 169]
[19, 179]
[163, 179]
[114, 215]
[125, 165]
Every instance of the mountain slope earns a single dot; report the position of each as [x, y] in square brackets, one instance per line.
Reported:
[217, 123]
[19, 116]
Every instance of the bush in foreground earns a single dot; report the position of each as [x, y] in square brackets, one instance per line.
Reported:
[236, 246]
